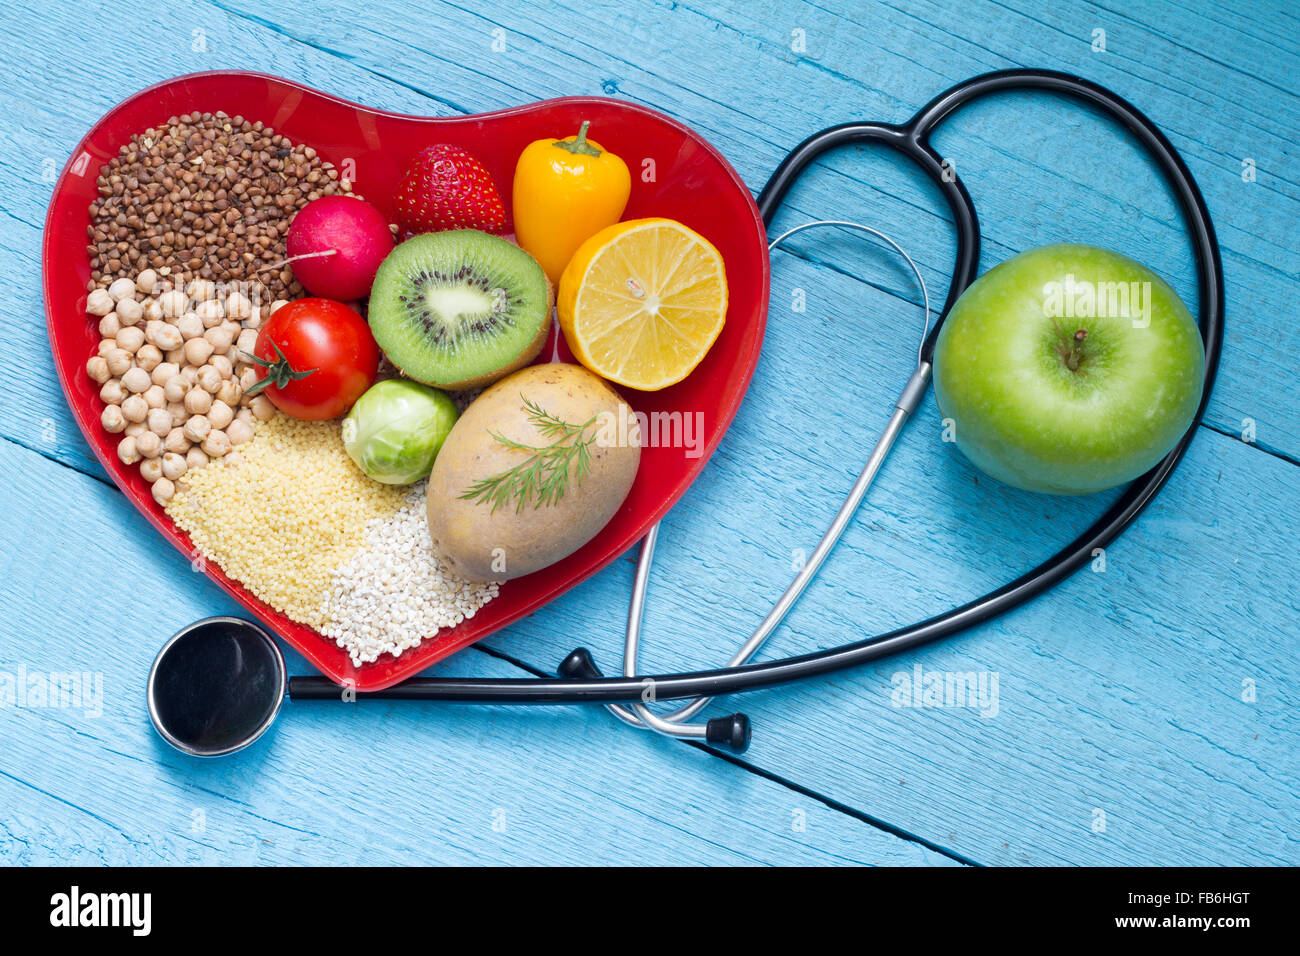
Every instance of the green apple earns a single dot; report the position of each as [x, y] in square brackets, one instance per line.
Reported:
[1068, 369]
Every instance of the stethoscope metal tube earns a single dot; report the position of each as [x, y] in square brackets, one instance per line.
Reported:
[912, 140]
[734, 730]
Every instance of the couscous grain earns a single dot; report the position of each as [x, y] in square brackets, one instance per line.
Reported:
[281, 519]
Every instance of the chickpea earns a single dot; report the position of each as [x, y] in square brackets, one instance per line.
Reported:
[176, 442]
[135, 408]
[112, 419]
[149, 357]
[99, 302]
[113, 392]
[110, 325]
[244, 415]
[129, 312]
[197, 351]
[136, 379]
[122, 289]
[136, 429]
[220, 338]
[153, 396]
[247, 341]
[197, 428]
[278, 303]
[166, 337]
[97, 369]
[178, 413]
[201, 289]
[209, 379]
[170, 337]
[164, 372]
[126, 451]
[175, 356]
[238, 307]
[197, 401]
[149, 444]
[173, 303]
[105, 346]
[159, 421]
[118, 361]
[220, 415]
[225, 368]
[262, 408]
[130, 338]
[175, 388]
[210, 313]
[145, 281]
[190, 374]
[216, 444]
[230, 392]
[152, 311]
[173, 465]
[195, 459]
[248, 377]
[254, 320]
[239, 431]
[151, 469]
[163, 490]
[190, 326]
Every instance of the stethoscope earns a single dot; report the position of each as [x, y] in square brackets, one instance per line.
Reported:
[579, 680]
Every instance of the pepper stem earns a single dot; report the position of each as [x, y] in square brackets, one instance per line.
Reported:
[579, 146]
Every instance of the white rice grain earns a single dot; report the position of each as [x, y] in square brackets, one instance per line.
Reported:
[396, 591]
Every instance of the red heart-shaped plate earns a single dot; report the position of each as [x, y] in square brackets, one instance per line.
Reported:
[675, 173]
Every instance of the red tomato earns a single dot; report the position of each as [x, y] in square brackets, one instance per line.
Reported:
[318, 357]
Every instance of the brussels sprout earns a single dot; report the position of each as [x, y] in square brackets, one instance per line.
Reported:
[395, 429]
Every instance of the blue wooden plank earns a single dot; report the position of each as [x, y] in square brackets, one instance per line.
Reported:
[377, 783]
[1078, 731]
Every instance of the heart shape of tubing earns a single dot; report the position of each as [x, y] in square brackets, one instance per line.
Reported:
[675, 173]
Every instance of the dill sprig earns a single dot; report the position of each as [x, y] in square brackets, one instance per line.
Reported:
[543, 477]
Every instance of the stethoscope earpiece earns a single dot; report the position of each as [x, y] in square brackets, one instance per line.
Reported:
[733, 731]
[730, 732]
[579, 665]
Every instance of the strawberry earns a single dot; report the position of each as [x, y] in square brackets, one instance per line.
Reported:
[447, 188]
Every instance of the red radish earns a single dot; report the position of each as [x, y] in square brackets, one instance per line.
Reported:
[447, 188]
[335, 245]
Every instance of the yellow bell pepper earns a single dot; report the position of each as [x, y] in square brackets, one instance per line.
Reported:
[565, 191]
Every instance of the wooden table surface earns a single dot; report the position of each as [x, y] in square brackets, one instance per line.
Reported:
[1146, 713]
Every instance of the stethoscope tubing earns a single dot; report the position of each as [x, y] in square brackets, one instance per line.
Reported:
[912, 139]
[674, 723]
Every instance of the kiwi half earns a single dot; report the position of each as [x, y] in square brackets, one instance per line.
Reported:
[460, 309]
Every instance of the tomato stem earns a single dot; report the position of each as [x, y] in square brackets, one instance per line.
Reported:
[278, 373]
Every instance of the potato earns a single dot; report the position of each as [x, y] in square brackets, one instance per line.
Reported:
[483, 544]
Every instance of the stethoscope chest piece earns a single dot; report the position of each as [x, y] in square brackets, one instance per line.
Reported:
[216, 686]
